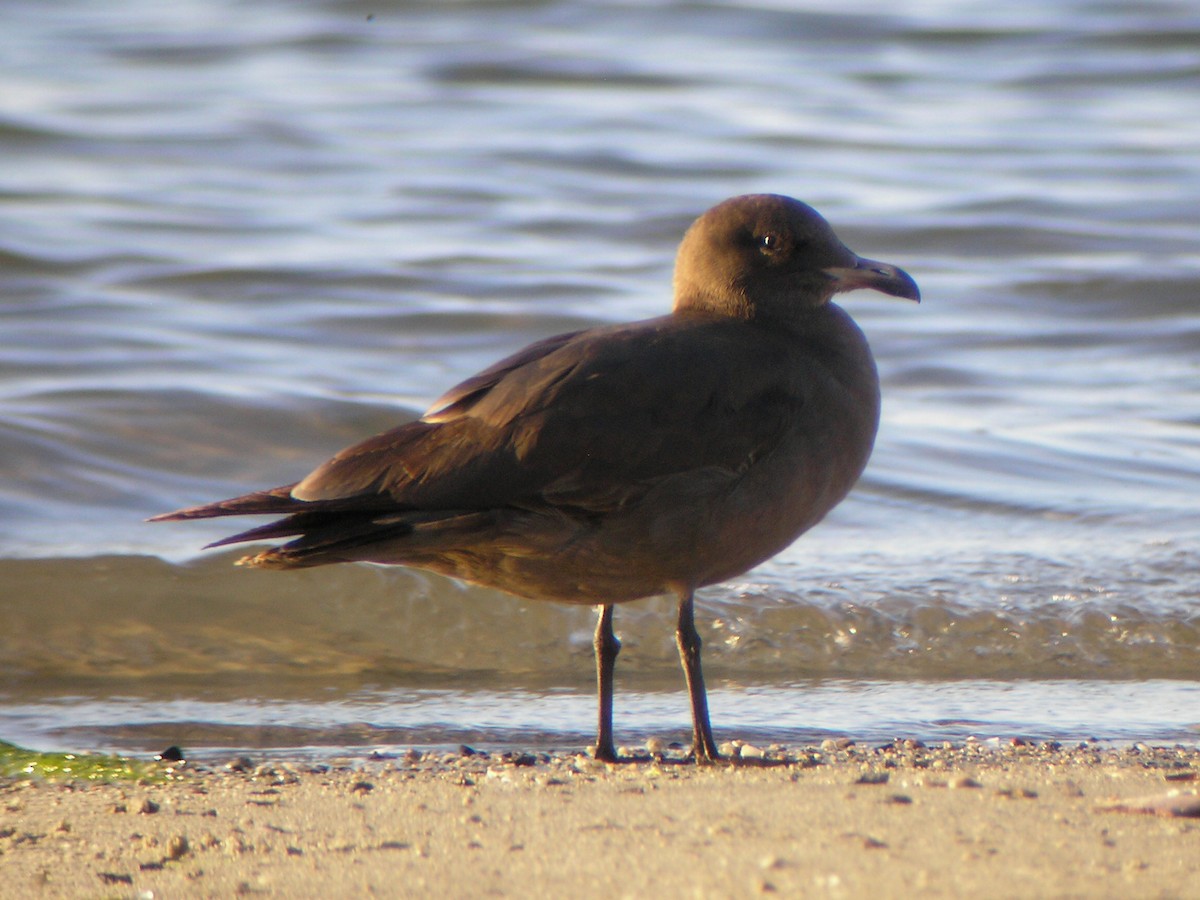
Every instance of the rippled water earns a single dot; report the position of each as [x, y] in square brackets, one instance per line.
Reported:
[237, 237]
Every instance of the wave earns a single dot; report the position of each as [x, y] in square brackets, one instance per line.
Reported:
[139, 619]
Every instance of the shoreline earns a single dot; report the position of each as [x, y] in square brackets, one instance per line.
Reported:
[840, 820]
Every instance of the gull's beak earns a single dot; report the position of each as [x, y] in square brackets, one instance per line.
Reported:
[876, 275]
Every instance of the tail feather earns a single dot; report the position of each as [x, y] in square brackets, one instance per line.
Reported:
[288, 527]
[272, 502]
[331, 541]
[342, 538]
[337, 530]
[279, 501]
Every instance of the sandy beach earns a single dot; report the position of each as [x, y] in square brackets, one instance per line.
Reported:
[840, 820]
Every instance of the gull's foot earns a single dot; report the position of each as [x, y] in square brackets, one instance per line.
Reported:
[608, 754]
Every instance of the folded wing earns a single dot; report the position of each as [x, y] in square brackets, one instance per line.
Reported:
[584, 422]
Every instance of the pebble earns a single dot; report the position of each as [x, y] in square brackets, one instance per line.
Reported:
[586, 764]
[177, 847]
[872, 778]
[830, 745]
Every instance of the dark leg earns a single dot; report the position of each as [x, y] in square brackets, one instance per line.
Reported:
[704, 748]
[607, 647]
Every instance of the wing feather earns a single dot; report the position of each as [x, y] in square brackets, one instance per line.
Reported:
[582, 418]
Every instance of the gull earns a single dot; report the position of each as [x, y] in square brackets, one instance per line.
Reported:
[625, 461]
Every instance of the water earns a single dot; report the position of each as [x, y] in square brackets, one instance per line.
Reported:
[237, 237]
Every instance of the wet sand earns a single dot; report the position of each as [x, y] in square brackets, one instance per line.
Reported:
[839, 820]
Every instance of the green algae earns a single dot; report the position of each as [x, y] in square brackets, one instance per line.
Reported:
[17, 762]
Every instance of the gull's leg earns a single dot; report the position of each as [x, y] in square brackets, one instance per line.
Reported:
[704, 748]
[607, 647]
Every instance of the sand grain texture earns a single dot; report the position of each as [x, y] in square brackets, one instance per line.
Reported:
[837, 821]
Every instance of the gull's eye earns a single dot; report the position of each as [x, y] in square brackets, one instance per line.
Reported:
[770, 242]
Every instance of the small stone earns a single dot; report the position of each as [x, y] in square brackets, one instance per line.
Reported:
[963, 781]
[582, 763]
[149, 807]
[177, 847]
[873, 778]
